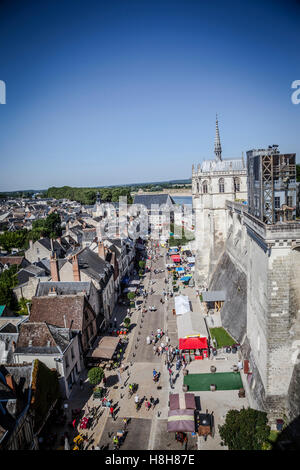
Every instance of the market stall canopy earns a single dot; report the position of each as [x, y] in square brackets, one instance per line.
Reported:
[182, 304]
[182, 401]
[175, 258]
[104, 347]
[193, 343]
[191, 324]
[214, 296]
[181, 421]
[170, 265]
[191, 259]
[185, 278]
[180, 269]
[134, 282]
[130, 289]
[174, 249]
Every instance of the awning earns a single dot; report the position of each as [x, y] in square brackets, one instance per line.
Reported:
[193, 343]
[179, 269]
[104, 347]
[214, 296]
[182, 401]
[182, 304]
[129, 289]
[134, 282]
[175, 258]
[185, 278]
[181, 421]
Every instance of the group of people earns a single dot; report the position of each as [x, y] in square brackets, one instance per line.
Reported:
[148, 403]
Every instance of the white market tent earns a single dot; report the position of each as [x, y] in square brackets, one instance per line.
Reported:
[182, 304]
[190, 324]
[191, 259]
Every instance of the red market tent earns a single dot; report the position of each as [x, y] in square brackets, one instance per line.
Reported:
[175, 258]
[193, 343]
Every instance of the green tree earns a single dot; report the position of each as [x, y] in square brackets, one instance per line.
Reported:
[22, 306]
[127, 322]
[95, 375]
[8, 281]
[9, 240]
[245, 429]
[131, 295]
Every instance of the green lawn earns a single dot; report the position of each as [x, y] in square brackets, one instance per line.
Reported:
[222, 337]
[222, 380]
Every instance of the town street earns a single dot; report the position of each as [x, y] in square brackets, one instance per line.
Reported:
[147, 428]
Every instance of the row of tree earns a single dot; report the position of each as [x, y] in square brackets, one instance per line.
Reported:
[88, 196]
[48, 227]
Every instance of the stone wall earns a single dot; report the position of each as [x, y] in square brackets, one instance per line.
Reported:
[234, 311]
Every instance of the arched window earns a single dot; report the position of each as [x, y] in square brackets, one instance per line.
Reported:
[204, 187]
[197, 186]
[237, 184]
[221, 185]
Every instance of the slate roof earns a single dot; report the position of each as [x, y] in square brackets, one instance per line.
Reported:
[63, 288]
[95, 267]
[13, 402]
[31, 271]
[46, 243]
[149, 199]
[223, 165]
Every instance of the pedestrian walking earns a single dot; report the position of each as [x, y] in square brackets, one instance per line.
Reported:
[111, 410]
[115, 322]
[81, 384]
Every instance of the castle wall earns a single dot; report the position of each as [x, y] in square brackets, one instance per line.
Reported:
[260, 272]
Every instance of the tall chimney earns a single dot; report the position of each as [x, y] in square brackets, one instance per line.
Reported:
[101, 250]
[76, 272]
[54, 269]
[10, 381]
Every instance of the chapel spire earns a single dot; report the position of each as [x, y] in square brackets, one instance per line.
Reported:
[218, 148]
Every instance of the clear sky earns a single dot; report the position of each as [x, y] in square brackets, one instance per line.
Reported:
[116, 92]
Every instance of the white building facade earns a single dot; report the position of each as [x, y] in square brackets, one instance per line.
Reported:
[214, 182]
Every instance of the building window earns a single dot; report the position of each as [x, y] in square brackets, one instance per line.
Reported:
[221, 185]
[290, 201]
[277, 202]
[204, 187]
[237, 184]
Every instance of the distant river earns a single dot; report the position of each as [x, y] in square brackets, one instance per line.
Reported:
[182, 199]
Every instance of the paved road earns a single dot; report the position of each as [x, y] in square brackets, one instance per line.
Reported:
[136, 437]
[150, 321]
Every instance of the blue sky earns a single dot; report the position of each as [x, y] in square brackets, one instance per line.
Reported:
[115, 92]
